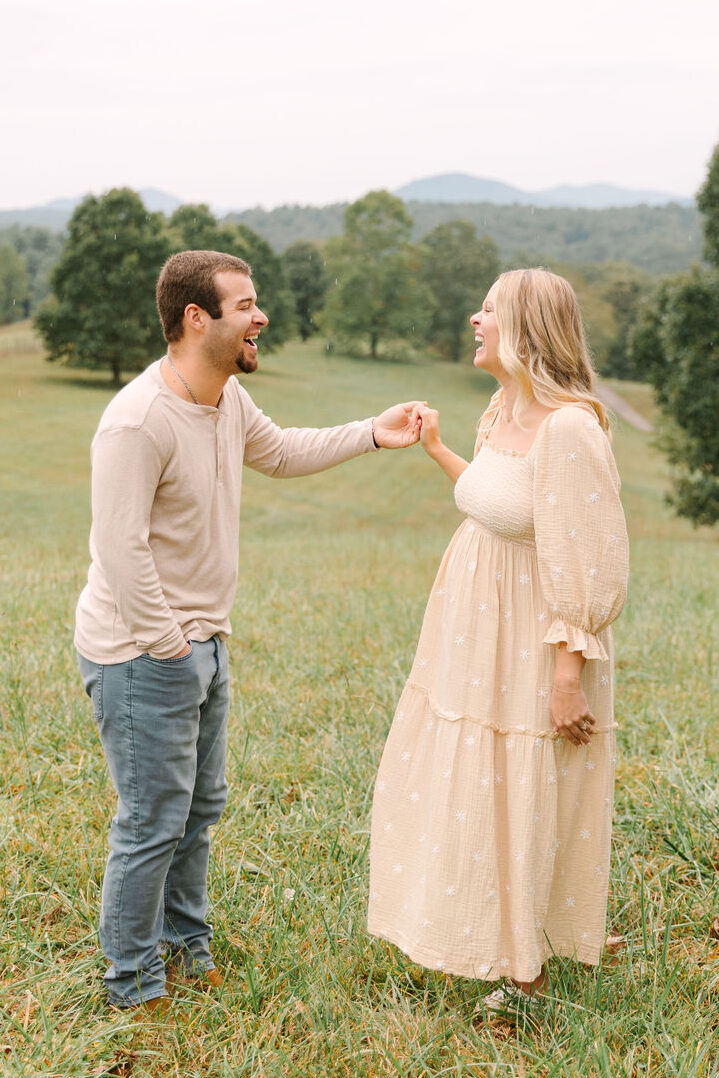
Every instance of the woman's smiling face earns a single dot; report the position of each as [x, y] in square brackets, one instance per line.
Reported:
[486, 333]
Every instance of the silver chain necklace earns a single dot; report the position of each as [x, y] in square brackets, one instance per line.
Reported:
[194, 398]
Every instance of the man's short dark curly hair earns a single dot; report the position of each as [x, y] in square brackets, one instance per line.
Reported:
[189, 277]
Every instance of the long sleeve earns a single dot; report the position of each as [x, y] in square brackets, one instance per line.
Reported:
[285, 453]
[581, 535]
[126, 470]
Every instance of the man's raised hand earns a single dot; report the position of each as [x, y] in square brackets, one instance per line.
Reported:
[398, 427]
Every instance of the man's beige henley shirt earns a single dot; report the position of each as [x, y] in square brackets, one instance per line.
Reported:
[166, 486]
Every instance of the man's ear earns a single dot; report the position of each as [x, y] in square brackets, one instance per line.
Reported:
[195, 316]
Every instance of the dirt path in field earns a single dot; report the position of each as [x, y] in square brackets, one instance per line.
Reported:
[620, 406]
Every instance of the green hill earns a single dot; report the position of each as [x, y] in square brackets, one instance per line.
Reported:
[658, 239]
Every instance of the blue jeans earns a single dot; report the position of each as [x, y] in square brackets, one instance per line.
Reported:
[163, 727]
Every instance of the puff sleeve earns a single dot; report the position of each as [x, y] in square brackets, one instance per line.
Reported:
[580, 531]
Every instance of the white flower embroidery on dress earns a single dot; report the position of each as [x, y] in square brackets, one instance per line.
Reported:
[484, 970]
[441, 965]
[459, 640]
[400, 714]
[374, 895]
[397, 867]
[460, 816]
[590, 765]
[482, 607]
[584, 937]
[469, 740]
[523, 578]
[498, 780]
[484, 780]
[598, 870]
[604, 680]
[381, 785]
[551, 498]
[524, 654]
[429, 724]
[594, 496]
[441, 591]
[388, 827]
[471, 566]
[564, 772]
[542, 693]
[423, 662]
[585, 834]
[507, 615]
[498, 575]
[551, 780]
[542, 616]
[477, 855]
[538, 742]
[467, 930]
[426, 923]
[435, 849]
[519, 856]
[557, 571]
[476, 682]
[405, 757]
[446, 773]
[570, 901]
[423, 837]
[451, 891]
[414, 796]
[614, 538]
[594, 573]
[522, 780]
[509, 743]
[504, 962]
[491, 894]
[503, 690]
[572, 533]
[572, 456]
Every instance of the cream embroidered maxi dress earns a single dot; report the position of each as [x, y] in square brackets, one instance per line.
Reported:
[490, 837]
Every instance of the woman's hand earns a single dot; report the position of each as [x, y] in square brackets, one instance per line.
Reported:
[569, 712]
[429, 429]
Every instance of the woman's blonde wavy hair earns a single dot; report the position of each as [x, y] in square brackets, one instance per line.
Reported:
[542, 343]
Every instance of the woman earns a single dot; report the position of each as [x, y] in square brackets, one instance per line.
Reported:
[492, 810]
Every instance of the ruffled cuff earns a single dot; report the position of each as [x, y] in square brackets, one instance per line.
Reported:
[590, 645]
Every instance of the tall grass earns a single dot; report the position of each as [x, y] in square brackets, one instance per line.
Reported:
[334, 572]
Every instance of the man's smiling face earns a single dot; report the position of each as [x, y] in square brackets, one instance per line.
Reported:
[231, 341]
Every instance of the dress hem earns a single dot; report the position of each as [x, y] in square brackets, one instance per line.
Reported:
[460, 967]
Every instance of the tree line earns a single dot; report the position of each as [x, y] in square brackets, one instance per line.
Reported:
[373, 290]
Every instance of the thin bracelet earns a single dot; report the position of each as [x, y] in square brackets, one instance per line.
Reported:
[567, 692]
[373, 437]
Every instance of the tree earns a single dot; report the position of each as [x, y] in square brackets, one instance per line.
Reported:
[677, 339]
[194, 227]
[708, 204]
[14, 285]
[306, 277]
[102, 313]
[375, 291]
[458, 268]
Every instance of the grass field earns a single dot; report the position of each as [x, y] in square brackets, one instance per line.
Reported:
[335, 570]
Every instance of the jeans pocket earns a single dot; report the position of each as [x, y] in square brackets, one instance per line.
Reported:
[176, 660]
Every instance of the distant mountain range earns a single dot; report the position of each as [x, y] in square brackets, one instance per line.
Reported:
[448, 188]
[461, 187]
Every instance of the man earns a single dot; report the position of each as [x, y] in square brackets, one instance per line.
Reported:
[151, 623]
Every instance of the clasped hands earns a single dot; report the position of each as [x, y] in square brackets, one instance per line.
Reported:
[402, 424]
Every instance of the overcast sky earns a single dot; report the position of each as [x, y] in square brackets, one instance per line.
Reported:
[241, 104]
